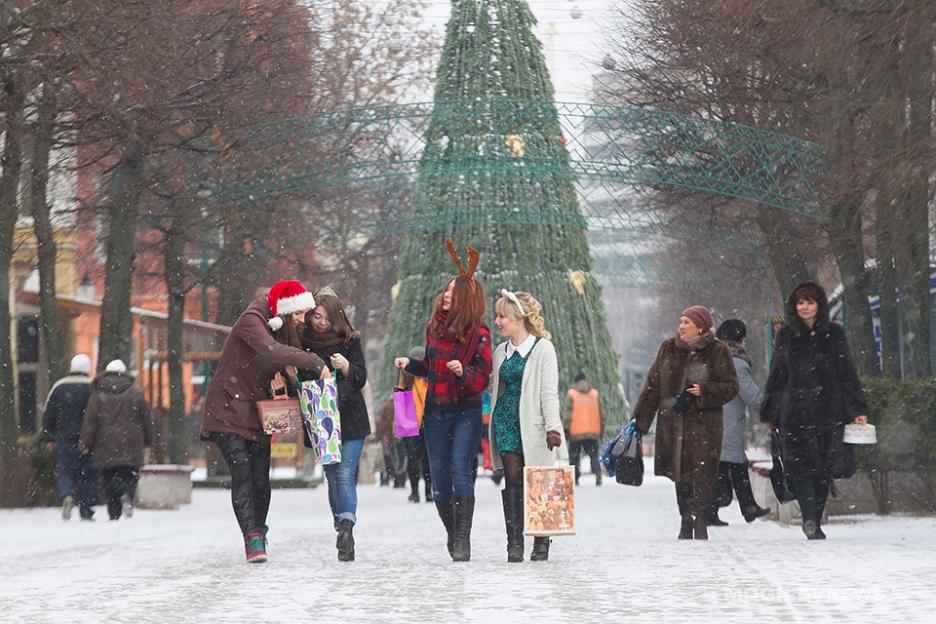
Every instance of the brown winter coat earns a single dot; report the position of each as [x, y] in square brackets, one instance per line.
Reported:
[250, 359]
[117, 423]
[688, 444]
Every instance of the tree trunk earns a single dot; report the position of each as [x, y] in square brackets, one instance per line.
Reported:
[789, 269]
[887, 291]
[174, 249]
[51, 323]
[11, 161]
[116, 319]
[913, 258]
[887, 142]
[845, 236]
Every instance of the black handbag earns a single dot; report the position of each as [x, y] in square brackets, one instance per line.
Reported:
[628, 459]
[778, 479]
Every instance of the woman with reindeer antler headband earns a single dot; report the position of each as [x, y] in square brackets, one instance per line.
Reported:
[457, 366]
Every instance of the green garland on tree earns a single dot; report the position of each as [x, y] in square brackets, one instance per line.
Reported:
[481, 182]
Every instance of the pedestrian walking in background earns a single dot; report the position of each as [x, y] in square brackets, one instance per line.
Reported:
[526, 424]
[812, 392]
[328, 333]
[417, 460]
[263, 341]
[117, 432]
[732, 465]
[690, 380]
[584, 425]
[64, 413]
[457, 366]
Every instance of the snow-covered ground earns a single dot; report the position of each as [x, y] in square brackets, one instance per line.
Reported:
[624, 564]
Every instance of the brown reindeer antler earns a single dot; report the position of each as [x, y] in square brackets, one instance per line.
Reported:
[473, 257]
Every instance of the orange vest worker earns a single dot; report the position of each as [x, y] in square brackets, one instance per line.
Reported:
[586, 413]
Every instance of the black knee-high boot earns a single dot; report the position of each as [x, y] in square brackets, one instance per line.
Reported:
[804, 488]
[684, 501]
[447, 515]
[741, 481]
[463, 508]
[513, 519]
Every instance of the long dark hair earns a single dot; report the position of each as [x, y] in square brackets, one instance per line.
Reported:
[340, 323]
[288, 334]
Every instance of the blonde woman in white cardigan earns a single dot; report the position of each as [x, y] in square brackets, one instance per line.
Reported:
[526, 424]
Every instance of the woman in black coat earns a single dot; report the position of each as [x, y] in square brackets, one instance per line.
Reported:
[328, 334]
[812, 392]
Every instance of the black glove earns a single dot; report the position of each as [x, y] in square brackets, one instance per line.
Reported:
[683, 401]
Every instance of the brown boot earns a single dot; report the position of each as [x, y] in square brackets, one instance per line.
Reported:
[685, 529]
[700, 528]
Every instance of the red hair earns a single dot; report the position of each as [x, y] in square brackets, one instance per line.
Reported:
[465, 313]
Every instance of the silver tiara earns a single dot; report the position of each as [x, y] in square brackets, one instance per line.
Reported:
[326, 291]
[514, 299]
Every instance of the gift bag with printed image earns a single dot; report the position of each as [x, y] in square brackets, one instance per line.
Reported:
[548, 500]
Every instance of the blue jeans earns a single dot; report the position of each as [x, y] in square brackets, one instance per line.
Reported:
[452, 435]
[342, 482]
[76, 477]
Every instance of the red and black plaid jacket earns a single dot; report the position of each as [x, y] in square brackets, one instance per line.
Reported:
[475, 374]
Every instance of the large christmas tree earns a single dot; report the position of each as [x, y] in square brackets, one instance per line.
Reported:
[495, 174]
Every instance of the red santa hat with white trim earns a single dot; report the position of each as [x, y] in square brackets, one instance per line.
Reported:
[285, 298]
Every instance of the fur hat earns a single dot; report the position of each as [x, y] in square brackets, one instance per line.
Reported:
[700, 316]
[285, 298]
[80, 364]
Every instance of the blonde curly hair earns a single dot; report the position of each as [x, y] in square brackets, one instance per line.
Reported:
[532, 314]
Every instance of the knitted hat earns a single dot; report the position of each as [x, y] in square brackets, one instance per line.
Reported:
[81, 364]
[732, 330]
[285, 298]
[116, 366]
[700, 316]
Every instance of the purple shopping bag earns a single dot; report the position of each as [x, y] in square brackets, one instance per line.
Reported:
[405, 424]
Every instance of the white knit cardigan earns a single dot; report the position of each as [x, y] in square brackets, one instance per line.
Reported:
[539, 405]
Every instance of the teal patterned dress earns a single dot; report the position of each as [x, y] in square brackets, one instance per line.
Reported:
[506, 417]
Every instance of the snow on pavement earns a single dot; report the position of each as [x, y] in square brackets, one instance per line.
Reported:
[624, 564]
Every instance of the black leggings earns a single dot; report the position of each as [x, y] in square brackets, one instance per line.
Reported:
[249, 463]
[513, 469]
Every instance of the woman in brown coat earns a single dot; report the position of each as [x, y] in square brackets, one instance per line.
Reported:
[690, 380]
[263, 341]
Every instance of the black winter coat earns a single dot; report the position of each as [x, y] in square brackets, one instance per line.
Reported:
[65, 409]
[354, 421]
[812, 391]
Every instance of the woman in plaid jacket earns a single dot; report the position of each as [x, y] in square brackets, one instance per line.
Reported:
[457, 366]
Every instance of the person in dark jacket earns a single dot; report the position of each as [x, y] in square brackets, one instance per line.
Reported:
[117, 429]
[690, 380]
[61, 429]
[732, 465]
[457, 366]
[262, 343]
[812, 392]
[328, 333]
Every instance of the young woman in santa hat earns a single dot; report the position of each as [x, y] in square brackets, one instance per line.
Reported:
[262, 343]
[691, 378]
[457, 366]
